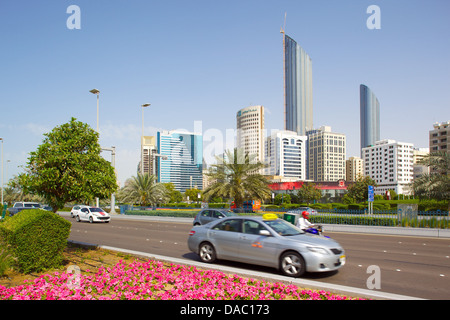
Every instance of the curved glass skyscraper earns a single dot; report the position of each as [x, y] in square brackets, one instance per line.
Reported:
[298, 88]
[370, 117]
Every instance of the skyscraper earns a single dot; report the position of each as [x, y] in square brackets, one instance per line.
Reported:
[250, 131]
[181, 160]
[298, 99]
[369, 117]
[148, 151]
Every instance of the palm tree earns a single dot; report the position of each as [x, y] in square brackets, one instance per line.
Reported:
[144, 189]
[436, 184]
[237, 178]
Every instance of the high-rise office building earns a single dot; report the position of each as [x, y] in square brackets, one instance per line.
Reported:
[148, 151]
[250, 131]
[298, 93]
[326, 153]
[369, 117]
[286, 155]
[180, 159]
[390, 164]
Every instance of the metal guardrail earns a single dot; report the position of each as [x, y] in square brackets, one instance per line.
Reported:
[388, 218]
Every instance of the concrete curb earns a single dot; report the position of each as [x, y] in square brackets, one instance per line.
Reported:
[303, 283]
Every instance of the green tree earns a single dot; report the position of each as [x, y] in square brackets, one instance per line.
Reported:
[309, 192]
[282, 198]
[436, 184]
[175, 195]
[359, 190]
[144, 190]
[237, 178]
[68, 166]
[193, 194]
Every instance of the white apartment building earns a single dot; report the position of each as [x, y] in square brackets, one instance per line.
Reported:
[326, 155]
[390, 164]
[250, 131]
[354, 168]
[286, 155]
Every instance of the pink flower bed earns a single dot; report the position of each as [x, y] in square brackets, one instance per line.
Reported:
[152, 280]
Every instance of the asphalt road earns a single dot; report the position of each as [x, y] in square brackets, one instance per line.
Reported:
[411, 266]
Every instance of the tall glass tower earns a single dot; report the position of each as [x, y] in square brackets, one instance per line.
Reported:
[369, 117]
[181, 159]
[298, 99]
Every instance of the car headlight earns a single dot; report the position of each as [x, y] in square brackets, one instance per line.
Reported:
[318, 250]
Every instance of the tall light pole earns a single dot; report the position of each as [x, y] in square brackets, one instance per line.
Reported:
[113, 164]
[95, 91]
[142, 137]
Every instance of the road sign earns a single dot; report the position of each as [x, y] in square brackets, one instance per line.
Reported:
[370, 191]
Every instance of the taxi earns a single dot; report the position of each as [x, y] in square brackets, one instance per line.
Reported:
[267, 241]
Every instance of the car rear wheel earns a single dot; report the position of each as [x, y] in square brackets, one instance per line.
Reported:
[78, 218]
[292, 264]
[207, 253]
[91, 220]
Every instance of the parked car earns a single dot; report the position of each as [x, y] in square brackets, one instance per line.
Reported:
[19, 206]
[92, 214]
[266, 241]
[311, 211]
[207, 215]
[76, 209]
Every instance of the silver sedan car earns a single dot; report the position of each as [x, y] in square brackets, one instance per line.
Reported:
[266, 241]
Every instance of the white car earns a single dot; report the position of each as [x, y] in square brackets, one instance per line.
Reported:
[92, 214]
[76, 209]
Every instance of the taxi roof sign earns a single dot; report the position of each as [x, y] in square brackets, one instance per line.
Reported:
[270, 216]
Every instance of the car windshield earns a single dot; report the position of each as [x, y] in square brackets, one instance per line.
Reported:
[96, 210]
[228, 213]
[283, 228]
[32, 205]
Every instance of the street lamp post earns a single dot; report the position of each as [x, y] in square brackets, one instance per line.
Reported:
[113, 164]
[95, 91]
[142, 138]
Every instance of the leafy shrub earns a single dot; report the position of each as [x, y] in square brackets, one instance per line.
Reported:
[37, 239]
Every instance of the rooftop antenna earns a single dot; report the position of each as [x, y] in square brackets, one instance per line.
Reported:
[284, 68]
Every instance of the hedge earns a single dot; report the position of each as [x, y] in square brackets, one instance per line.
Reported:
[36, 238]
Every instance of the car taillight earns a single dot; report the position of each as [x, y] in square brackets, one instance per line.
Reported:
[191, 233]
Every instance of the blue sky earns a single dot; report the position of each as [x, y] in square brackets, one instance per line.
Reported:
[205, 60]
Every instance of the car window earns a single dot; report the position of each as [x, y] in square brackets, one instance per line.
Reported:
[205, 213]
[228, 213]
[96, 210]
[233, 225]
[84, 210]
[76, 207]
[252, 227]
[216, 214]
[283, 228]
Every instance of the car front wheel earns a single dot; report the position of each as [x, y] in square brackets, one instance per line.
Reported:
[292, 264]
[207, 253]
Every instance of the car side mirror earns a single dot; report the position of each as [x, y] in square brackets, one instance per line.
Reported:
[264, 233]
